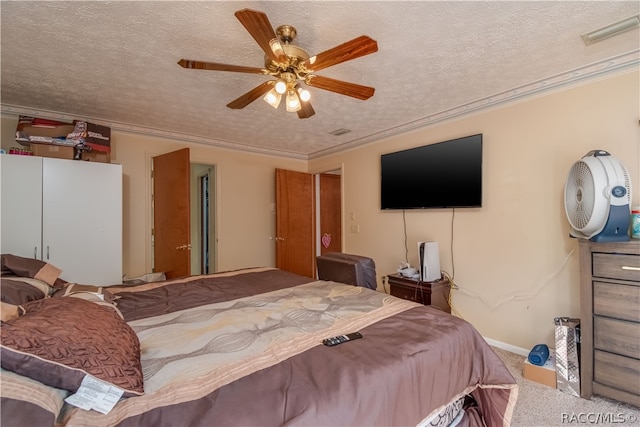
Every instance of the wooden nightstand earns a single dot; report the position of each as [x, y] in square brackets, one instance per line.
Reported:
[435, 294]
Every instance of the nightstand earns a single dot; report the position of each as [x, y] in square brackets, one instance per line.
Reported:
[435, 294]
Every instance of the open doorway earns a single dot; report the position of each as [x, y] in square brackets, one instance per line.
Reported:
[203, 230]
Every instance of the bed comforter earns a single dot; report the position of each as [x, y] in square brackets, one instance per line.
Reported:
[244, 348]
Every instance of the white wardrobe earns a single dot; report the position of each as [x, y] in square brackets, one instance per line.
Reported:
[65, 212]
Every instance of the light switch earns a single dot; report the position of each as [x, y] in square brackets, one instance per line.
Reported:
[355, 228]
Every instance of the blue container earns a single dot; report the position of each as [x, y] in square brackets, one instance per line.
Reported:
[539, 354]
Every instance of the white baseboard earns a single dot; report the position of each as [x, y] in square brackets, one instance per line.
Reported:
[508, 347]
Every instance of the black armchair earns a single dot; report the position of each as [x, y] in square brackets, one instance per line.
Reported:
[347, 268]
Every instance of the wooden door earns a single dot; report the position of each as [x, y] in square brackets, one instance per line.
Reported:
[330, 213]
[295, 222]
[171, 214]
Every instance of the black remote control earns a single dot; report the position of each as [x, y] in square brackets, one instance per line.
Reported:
[329, 342]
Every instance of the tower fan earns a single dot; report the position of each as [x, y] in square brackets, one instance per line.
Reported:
[597, 196]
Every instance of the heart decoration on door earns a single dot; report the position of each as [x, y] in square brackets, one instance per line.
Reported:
[326, 240]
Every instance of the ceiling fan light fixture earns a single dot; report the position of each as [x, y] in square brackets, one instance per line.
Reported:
[273, 98]
[304, 94]
[289, 65]
[281, 87]
[293, 102]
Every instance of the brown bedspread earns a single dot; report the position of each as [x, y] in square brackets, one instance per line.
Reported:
[412, 361]
[153, 299]
[405, 368]
[245, 349]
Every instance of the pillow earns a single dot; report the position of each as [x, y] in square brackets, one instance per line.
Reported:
[21, 290]
[60, 340]
[30, 267]
[10, 311]
[17, 291]
[99, 291]
[95, 294]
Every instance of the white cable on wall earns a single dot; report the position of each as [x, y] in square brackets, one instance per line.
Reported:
[494, 306]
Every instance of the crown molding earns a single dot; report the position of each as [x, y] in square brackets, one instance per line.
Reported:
[596, 70]
[616, 64]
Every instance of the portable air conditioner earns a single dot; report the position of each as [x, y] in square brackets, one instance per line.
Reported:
[597, 196]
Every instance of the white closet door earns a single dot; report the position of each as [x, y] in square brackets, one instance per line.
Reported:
[21, 211]
[82, 220]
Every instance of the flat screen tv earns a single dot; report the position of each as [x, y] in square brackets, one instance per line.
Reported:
[442, 175]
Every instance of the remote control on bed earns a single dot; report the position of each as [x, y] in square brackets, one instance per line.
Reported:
[329, 342]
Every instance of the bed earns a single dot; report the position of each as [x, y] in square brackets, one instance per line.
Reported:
[244, 348]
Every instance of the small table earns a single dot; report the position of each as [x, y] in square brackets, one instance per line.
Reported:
[435, 293]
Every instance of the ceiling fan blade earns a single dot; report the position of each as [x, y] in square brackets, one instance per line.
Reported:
[258, 25]
[338, 86]
[360, 46]
[214, 66]
[251, 96]
[306, 110]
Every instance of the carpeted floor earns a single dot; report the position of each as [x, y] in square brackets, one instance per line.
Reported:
[539, 405]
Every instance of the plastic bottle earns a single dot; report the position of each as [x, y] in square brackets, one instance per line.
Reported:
[635, 222]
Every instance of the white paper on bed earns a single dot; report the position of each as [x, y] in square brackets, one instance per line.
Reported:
[95, 394]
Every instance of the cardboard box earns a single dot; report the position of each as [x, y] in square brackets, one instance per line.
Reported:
[96, 156]
[545, 374]
[45, 131]
[42, 131]
[67, 152]
[52, 150]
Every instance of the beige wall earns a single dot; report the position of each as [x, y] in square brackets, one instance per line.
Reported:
[514, 262]
[245, 193]
[245, 196]
[515, 265]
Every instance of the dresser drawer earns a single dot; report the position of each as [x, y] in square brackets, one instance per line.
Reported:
[409, 293]
[617, 301]
[619, 372]
[616, 266]
[617, 336]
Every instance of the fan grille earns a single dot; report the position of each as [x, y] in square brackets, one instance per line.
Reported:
[579, 197]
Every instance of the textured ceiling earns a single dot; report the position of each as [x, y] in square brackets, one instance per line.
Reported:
[115, 63]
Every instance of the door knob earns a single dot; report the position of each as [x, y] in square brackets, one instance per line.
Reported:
[279, 239]
[183, 247]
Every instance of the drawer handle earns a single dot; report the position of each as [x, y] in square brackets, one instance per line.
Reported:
[626, 267]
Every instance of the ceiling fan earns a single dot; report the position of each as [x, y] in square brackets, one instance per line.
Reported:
[291, 66]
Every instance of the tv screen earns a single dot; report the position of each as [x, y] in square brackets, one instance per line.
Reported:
[443, 175]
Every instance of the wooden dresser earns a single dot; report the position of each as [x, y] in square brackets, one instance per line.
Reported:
[610, 320]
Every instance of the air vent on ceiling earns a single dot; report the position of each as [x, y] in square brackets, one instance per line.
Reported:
[340, 131]
[611, 30]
